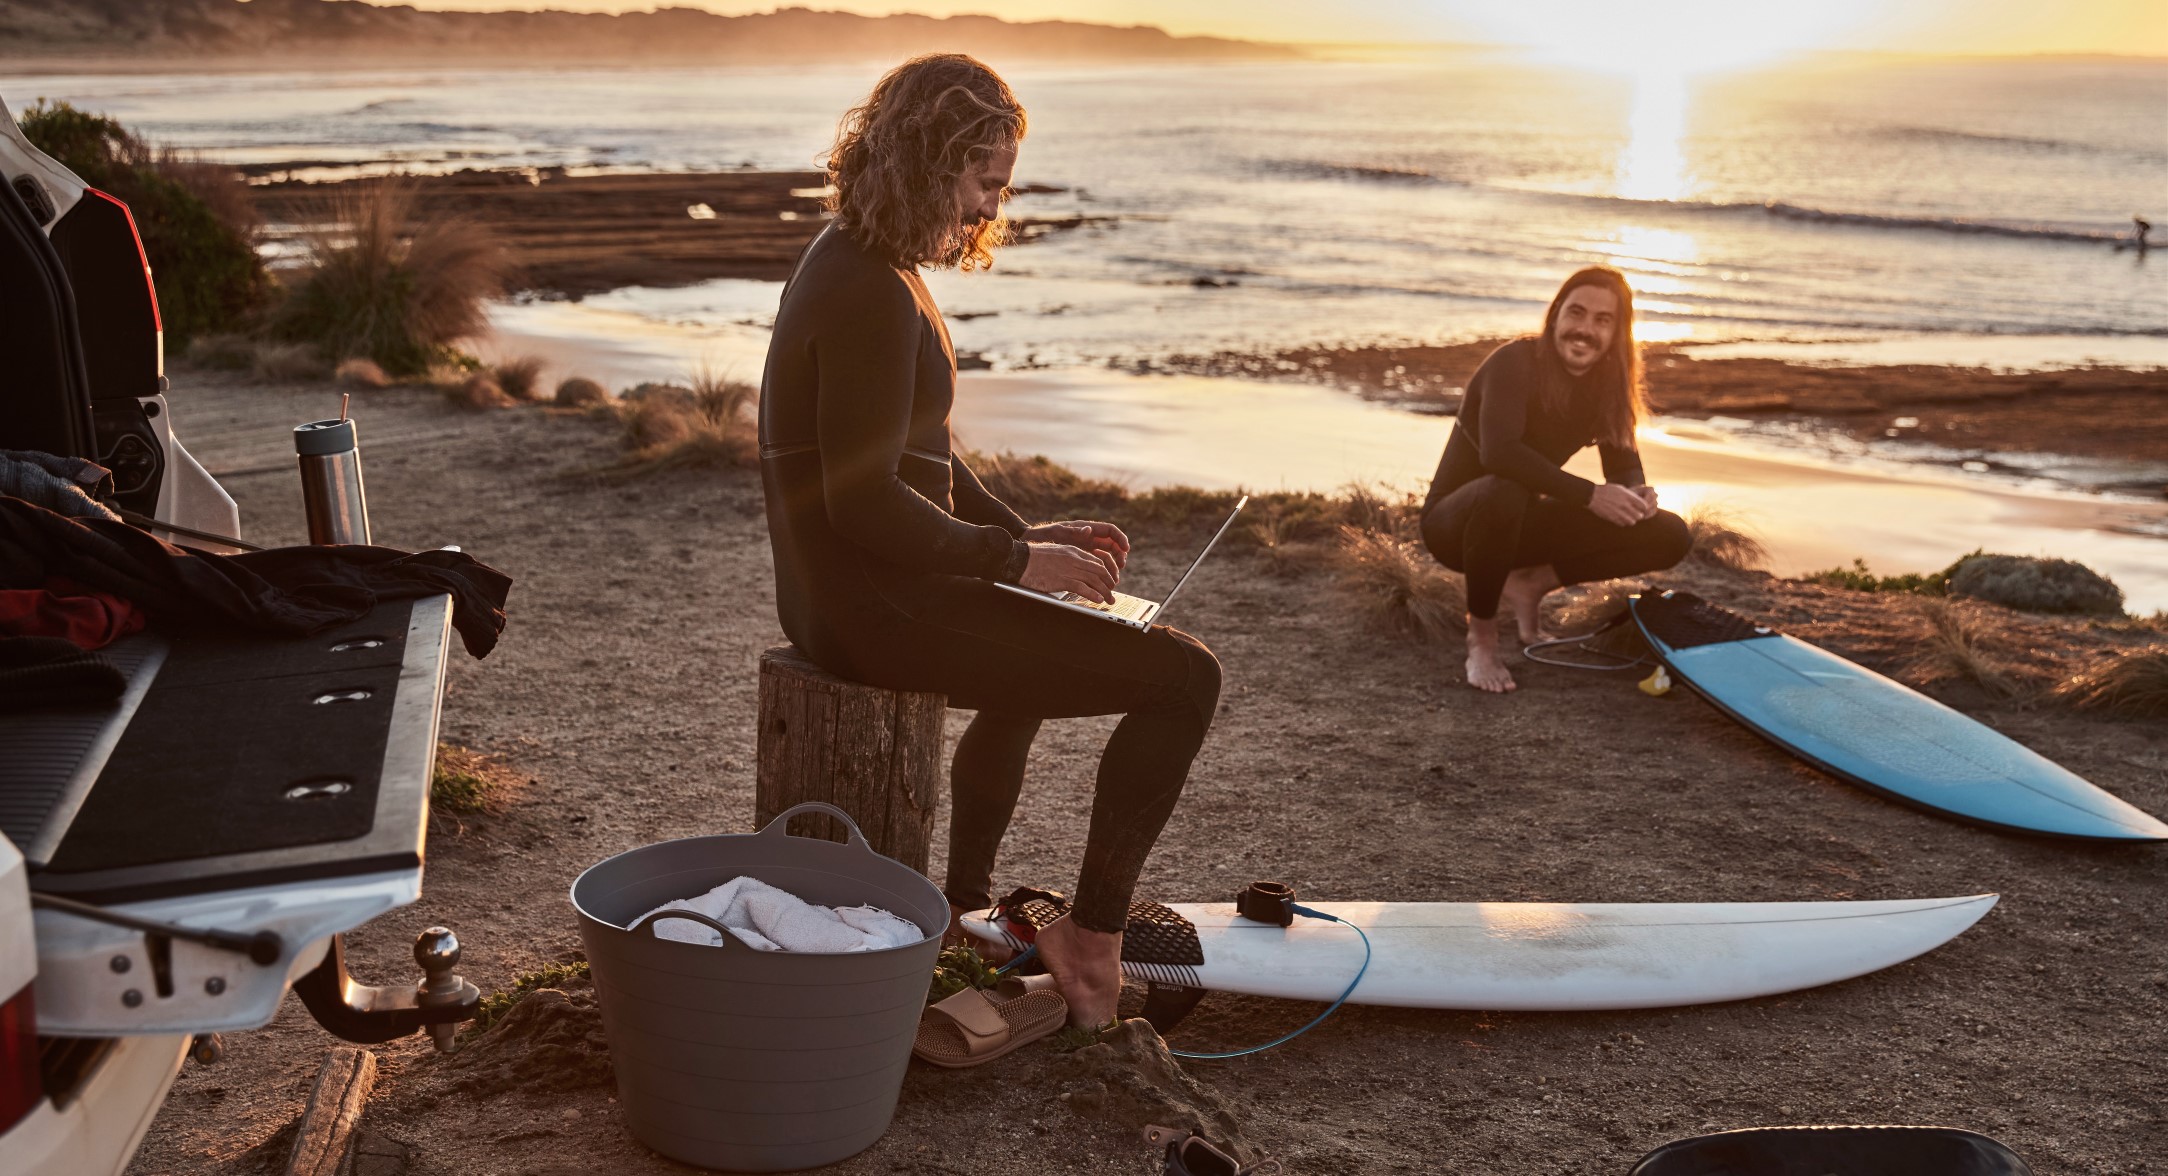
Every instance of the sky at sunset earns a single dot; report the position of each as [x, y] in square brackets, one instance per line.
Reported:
[1726, 32]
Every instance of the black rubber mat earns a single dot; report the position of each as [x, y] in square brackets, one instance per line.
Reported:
[1154, 935]
[1683, 620]
[46, 747]
[244, 745]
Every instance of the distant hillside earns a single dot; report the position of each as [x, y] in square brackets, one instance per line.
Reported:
[331, 31]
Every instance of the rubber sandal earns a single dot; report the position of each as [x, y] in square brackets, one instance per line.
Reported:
[974, 1027]
[1191, 1154]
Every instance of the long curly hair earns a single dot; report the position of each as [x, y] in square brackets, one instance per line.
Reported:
[898, 154]
[1623, 402]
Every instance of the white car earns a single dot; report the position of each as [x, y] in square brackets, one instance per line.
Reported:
[172, 864]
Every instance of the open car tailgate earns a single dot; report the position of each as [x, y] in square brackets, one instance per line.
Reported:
[245, 784]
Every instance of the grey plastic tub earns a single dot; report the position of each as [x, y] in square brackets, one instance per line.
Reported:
[756, 1061]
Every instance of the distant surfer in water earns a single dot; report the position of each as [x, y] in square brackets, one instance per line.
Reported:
[1503, 511]
[888, 548]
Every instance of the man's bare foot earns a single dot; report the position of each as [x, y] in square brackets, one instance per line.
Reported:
[1087, 967]
[1523, 595]
[1486, 670]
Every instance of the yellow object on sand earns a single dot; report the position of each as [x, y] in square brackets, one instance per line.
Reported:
[1656, 685]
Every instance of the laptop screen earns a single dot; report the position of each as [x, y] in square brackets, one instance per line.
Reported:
[1245, 501]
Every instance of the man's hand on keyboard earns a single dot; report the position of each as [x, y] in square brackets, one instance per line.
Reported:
[1059, 567]
[1104, 538]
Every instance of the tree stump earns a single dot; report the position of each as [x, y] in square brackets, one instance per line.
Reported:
[874, 753]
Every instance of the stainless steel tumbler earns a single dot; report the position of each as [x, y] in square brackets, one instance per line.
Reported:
[331, 493]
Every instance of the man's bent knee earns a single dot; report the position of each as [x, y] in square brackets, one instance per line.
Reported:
[1671, 539]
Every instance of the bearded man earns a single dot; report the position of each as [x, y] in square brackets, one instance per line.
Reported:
[1504, 512]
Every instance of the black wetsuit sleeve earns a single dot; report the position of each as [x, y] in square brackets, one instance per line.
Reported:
[1622, 465]
[976, 504]
[1501, 441]
[866, 389]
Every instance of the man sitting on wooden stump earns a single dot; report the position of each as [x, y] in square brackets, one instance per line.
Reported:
[888, 549]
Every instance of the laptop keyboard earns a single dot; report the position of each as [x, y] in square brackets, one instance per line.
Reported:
[1129, 608]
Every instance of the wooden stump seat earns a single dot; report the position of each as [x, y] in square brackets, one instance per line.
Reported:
[874, 753]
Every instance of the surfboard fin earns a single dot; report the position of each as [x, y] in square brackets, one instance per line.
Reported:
[1165, 1005]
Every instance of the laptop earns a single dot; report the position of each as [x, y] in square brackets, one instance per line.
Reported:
[1133, 611]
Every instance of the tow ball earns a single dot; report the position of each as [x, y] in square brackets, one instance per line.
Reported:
[368, 1015]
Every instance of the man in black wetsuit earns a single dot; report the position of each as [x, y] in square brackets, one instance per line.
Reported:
[1502, 510]
[888, 547]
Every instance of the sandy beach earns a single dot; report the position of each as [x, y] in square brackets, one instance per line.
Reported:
[1351, 764]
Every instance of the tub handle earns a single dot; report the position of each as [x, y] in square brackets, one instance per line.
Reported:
[780, 825]
[647, 923]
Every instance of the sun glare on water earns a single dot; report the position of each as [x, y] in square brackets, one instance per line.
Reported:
[1661, 45]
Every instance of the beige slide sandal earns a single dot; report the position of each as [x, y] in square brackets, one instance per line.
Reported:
[976, 1026]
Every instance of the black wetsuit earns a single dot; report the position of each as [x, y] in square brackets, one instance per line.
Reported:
[1500, 500]
[887, 549]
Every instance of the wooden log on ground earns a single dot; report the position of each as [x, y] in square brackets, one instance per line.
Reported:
[327, 1127]
[874, 753]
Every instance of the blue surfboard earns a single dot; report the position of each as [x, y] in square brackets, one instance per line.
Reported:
[1859, 726]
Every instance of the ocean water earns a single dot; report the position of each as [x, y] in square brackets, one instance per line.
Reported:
[1961, 211]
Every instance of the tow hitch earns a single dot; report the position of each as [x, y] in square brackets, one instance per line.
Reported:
[366, 1016]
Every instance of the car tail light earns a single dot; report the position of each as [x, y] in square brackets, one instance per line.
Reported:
[21, 1087]
[143, 258]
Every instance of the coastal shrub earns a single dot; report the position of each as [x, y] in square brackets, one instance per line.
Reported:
[1963, 642]
[1859, 579]
[387, 285]
[1720, 540]
[579, 391]
[361, 373]
[196, 220]
[2132, 683]
[2035, 585]
[1400, 589]
[520, 378]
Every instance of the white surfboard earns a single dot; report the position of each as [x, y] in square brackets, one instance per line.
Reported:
[1551, 957]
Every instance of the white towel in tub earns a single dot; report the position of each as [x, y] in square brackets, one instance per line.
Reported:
[761, 916]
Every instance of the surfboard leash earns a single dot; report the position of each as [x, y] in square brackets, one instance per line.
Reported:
[1274, 902]
[1618, 661]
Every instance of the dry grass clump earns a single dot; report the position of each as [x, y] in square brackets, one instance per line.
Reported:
[1378, 511]
[467, 782]
[2132, 683]
[1399, 587]
[223, 350]
[1721, 541]
[708, 426]
[479, 392]
[1040, 489]
[520, 378]
[361, 373]
[1283, 535]
[388, 285]
[1966, 642]
[579, 392]
[286, 361]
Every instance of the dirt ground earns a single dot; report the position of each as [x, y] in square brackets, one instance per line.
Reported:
[1350, 764]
